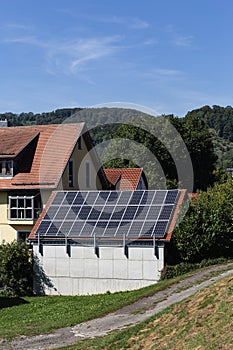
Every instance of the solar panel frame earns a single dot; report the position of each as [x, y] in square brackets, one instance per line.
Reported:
[116, 214]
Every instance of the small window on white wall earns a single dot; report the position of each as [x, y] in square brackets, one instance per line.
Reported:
[88, 174]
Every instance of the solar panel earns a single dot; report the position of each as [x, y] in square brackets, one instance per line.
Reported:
[110, 214]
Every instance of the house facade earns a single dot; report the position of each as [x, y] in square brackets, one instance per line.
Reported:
[36, 160]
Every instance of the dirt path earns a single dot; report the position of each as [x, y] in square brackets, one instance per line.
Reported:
[122, 318]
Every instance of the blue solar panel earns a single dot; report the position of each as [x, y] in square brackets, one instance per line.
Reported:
[124, 197]
[84, 212]
[160, 228]
[118, 214]
[95, 213]
[91, 198]
[102, 197]
[130, 212]
[147, 229]
[76, 229]
[59, 198]
[106, 213]
[76, 209]
[61, 213]
[153, 212]
[147, 197]
[159, 197]
[80, 198]
[43, 227]
[113, 198]
[70, 197]
[136, 197]
[166, 212]
[171, 197]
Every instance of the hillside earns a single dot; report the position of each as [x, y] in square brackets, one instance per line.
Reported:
[103, 122]
[203, 322]
[220, 121]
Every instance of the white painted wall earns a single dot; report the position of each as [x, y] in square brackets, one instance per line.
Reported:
[85, 273]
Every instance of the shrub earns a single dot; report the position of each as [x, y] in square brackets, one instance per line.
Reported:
[182, 268]
[15, 269]
[206, 230]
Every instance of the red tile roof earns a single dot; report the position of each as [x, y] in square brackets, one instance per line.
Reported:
[129, 177]
[12, 144]
[54, 147]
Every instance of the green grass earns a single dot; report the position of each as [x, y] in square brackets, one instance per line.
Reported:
[203, 321]
[37, 315]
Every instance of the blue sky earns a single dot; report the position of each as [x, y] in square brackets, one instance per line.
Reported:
[171, 56]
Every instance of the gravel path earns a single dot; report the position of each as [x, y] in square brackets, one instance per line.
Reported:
[122, 318]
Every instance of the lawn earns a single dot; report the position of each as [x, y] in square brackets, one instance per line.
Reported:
[41, 314]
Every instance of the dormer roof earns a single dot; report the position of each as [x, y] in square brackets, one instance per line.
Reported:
[54, 147]
[128, 178]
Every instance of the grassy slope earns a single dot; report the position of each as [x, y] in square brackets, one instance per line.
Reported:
[203, 322]
[37, 315]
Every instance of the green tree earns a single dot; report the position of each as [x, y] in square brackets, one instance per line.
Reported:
[15, 269]
[206, 230]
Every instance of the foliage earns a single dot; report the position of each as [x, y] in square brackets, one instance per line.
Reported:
[171, 271]
[198, 140]
[15, 269]
[217, 118]
[206, 230]
[154, 138]
[207, 132]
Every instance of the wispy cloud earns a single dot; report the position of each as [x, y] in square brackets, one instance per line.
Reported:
[179, 40]
[71, 56]
[129, 22]
[167, 72]
[185, 41]
[92, 49]
[137, 23]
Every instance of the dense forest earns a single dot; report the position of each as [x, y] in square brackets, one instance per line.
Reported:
[207, 133]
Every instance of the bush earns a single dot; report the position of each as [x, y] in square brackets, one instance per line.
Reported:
[206, 230]
[182, 268]
[15, 269]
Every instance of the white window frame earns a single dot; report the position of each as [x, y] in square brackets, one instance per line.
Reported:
[4, 163]
[22, 208]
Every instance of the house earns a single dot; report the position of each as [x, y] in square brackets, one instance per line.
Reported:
[126, 178]
[91, 242]
[36, 160]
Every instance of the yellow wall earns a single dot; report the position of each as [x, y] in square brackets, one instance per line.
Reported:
[80, 157]
[8, 229]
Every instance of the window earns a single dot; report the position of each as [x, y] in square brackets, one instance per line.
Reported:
[80, 143]
[88, 174]
[6, 168]
[71, 173]
[24, 207]
[22, 236]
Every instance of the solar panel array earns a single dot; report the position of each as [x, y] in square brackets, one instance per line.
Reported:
[109, 214]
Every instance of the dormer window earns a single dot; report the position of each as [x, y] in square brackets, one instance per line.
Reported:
[6, 168]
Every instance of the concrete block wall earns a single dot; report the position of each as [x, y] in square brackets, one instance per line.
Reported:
[83, 272]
